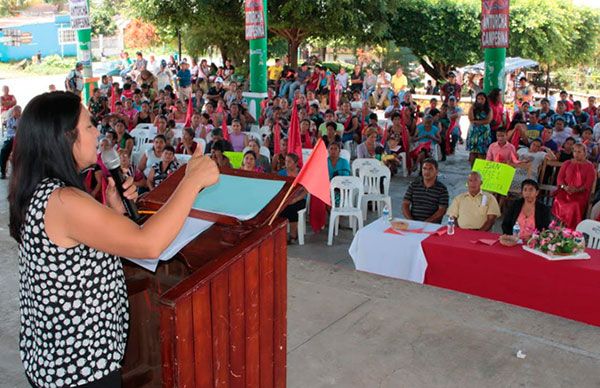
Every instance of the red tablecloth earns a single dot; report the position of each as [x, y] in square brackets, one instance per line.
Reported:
[567, 288]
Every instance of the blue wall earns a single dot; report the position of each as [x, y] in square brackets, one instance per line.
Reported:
[44, 39]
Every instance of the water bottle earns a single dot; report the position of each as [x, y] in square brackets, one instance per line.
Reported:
[387, 215]
[450, 230]
[516, 230]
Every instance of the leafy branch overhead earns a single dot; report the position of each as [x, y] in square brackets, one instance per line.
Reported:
[441, 33]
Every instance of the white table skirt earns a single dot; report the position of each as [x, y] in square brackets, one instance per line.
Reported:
[396, 256]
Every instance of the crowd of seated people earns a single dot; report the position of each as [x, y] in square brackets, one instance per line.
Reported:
[338, 107]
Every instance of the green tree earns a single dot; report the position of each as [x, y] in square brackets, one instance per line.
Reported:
[562, 35]
[102, 17]
[441, 33]
[12, 7]
[360, 20]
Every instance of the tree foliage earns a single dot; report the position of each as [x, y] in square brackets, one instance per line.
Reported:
[562, 35]
[445, 33]
[139, 34]
[441, 33]
[102, 17]
[220, 23]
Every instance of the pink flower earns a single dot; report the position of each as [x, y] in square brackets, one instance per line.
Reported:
[567, 233]
[577, 234]
[553, 224]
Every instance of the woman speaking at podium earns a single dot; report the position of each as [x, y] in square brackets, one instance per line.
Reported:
[73, 298]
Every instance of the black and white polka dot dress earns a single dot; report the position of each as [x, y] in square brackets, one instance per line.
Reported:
[74, 310]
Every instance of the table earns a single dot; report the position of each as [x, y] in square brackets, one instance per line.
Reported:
[569, 288]
[396, 256]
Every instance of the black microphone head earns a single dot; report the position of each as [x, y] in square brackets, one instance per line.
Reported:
[111, 159]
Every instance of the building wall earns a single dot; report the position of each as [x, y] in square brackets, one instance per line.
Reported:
[45, 39]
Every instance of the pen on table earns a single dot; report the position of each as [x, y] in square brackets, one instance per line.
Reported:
[146, 211]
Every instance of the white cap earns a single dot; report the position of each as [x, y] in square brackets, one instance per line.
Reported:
[219, 79]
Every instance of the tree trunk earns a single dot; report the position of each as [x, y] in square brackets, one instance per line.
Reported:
[547, 80]
[293, 45]
[434, 70]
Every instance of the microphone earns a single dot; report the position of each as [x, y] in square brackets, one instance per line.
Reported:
[111, 160]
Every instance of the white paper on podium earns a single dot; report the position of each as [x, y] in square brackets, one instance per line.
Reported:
[192, 227]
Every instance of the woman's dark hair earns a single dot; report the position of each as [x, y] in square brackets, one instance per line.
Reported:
[43, 149]
[349, 126]
[294, 157]
[530, 182]
[478, 108]
[494, 96]
[251, 153]
[189, 131]
[169, 148]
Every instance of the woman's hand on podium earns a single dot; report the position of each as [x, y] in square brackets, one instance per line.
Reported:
[202, 170]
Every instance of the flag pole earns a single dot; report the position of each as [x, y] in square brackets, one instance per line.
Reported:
[282, 202]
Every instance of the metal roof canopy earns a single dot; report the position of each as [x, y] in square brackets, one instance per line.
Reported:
[512, 64]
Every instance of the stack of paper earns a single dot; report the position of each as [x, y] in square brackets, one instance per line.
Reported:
[192, 227]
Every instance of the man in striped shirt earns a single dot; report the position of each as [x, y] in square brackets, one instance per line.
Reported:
[426, 198]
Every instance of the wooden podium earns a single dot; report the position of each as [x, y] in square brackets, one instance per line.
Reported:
[215, 315]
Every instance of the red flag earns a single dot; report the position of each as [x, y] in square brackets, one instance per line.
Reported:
[332, 94]
[405, 141]
[294, 140]
[307, 140]
[516, 136]
[113, 99]
[385, 134]
[592, 122]
[277, 138]
[188, 113]
[225, 129]
[314, 176]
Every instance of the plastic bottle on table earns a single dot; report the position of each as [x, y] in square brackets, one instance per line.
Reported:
[516, 230]
[451, 224]
[387, 215]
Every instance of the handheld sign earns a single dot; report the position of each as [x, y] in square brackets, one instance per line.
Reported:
[497, 177]
[235, 158]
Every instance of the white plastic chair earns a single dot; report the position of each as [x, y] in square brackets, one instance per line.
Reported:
[350, 189]
[592, 229]
[372, 181]
[302, 213]
[345, 154]
[140, 141]
[357, 164]
[201, 143]
[256, 136]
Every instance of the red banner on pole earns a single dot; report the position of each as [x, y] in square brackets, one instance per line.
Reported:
[495, 25]
[255, 19]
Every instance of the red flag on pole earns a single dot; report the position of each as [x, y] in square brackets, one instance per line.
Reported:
[225, 129]
[113, 99]
[314, 176]
[332, 94]
[188, 113]
[516, 136]
[294, 140]
[405, 141]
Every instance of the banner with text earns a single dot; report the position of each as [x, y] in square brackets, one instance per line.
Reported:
[255, 19]
[494, 23]
[496, 177]
[80, 17]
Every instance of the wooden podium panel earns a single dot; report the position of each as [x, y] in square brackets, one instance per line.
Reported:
[215, 315]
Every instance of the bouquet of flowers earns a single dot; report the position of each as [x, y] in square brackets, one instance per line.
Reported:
[557, 241]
